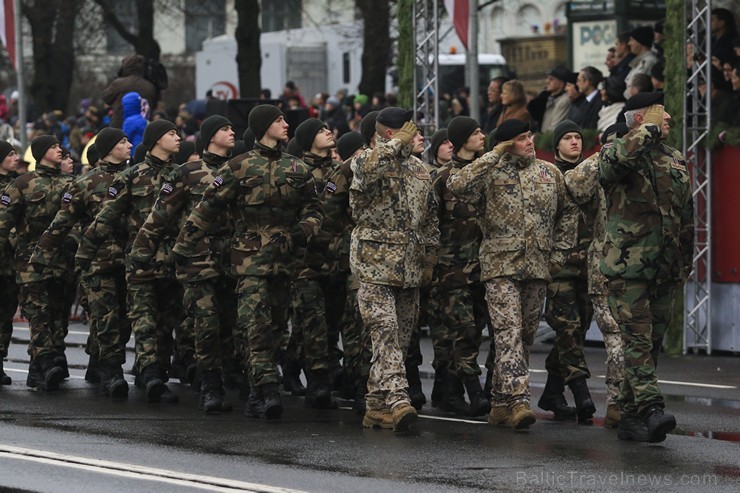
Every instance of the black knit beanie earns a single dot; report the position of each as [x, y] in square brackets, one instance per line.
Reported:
[92, 154]
[40, 145]
[643, 35]
[438, 139]
[367, 126]
[459, 129]
[107, 140]
[209, 127]
[139, 153]
[5, 149]
[348, 144]
[248, 139]
[294, 149]
[187, 148]
[154, 131]
[261, 117]
[563, 128]
[306, 132]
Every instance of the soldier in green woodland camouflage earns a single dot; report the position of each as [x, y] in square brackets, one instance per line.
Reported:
[393, 205]
[8, 287]
[648, 248]
[568, 308]
[104, 281]
[29, 204]
[319, 288]
[155, 297]
[584, 188]
[275, 210]
[210, 296]
[528, 224]
[459, 291]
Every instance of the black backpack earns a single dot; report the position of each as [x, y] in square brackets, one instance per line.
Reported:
[156, 73]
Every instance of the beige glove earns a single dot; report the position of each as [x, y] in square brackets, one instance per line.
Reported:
[407, 133]
[502, 147]
[654, 115]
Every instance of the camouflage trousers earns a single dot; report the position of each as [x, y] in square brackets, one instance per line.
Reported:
[356, 342]
[389, 314]
[91, 344]
[514, 308]
[613, 343]
[464, 313]
[155, 311]
[8, 306]
[568, 311]
[106, 298]
[317, 314]
[47, 315]
[643, 311]
[263, 305]
[211, 305]
[441, 341]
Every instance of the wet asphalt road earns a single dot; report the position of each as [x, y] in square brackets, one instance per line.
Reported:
[76, 440]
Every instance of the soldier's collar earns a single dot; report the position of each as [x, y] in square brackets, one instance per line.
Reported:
[214, 159]
[108, 166]
[317, 161]
[268, 152]
[518, 161]
[152, 160]
[48, 170]
[459, 162]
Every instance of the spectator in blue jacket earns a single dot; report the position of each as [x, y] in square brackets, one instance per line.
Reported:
[133, 122]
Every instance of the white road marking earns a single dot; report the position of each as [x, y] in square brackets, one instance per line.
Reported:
[74, 332]
[210, 483]
[128, 378]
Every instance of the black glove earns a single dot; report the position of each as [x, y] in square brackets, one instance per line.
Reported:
[298, 237]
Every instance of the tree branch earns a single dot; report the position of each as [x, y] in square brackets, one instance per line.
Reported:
[110, 17]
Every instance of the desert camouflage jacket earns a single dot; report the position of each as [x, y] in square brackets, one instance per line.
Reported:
[650, 216]
[528, 221]
[394, 208]
[269, 194]
[29, 204]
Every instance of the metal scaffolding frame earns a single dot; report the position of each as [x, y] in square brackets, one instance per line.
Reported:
[426, 51]
[697, 113]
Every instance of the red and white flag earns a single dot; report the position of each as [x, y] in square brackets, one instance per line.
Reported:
[458, 11]
[7, 28]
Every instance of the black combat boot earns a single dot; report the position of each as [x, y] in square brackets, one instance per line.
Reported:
[60, 360]
[255, 403]
[632, 427]
[4, 378]
[150, 379]
[416, 393]
[92, 373]
[273, 401]
[584, 404]
[44, 374]
[112, 382]
[318, 394]
[658, 422]
[553, 399]
[454, 401]
[212, 393]
[479, 403]
[292, 378]
[438, 389]
[359, 406]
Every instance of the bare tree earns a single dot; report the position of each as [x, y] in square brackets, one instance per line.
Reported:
[248, 56]
[52, 30]
[377, 44]
[143, 40]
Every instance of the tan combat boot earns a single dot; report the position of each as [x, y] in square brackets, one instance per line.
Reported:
[521, 416]
[499, 415]
[611, 420]
[377, 419]
[403, 416]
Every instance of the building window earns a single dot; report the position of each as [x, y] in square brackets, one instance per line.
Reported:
[203, 20]
[126, 13]
[278, 16]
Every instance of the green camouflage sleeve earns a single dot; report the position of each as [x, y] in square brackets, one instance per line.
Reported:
[620, 156]
[11, 208]
[369, 168]
[312, 212]
[216, 198]
[582, 181]
[115, 206]
[171, 199]
[468, 184]
[73, 211]
[686, 234]
[565, 231]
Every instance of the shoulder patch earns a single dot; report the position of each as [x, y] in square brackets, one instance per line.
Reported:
[677, 164]
[112, 192]
[218, 181]
[5, 199]
[166, 188]
[607, 145]
[331, 187]
[66, 198]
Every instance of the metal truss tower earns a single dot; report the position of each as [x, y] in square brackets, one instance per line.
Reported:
[426, 50]
[697, 113]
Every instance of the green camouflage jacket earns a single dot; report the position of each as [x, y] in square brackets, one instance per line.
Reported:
[269, 194]
[29, 204]
[181, 192]
[338, 221]
[460, 234]
[7, 268]
[650, 215]
[585, 189]
[80, 204]
[131, 197]
[528, 220]
[394, 208]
